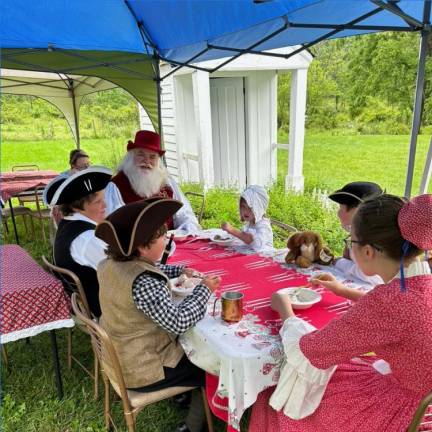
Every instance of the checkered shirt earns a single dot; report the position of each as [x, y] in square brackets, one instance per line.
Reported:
[152, 296]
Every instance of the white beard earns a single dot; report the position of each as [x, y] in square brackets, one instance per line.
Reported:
[145, 183]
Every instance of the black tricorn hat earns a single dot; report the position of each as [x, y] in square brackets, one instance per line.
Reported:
[82, 184]
[134, 224]
[51, 188]
[353, 194]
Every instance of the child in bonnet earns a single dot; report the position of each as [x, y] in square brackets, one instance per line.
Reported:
[256, 232]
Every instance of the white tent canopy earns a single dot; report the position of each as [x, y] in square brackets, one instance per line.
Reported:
[66, 92]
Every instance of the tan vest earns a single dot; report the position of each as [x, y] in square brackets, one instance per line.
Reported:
[143, 348]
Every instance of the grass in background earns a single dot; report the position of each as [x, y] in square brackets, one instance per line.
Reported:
[332, 161]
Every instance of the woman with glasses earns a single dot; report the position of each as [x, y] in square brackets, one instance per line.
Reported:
[327, 383]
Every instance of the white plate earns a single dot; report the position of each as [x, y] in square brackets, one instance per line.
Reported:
[179, 234]
[183, 292]
[304, 299]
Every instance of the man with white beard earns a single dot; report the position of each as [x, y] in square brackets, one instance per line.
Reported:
[142, 175]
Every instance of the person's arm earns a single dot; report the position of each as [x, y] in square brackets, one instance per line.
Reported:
[88, 250]
[172, 271]
[153, 298]
[185, 218]
[113, 198]
[327, 280]
[243, 236]
[363, 328]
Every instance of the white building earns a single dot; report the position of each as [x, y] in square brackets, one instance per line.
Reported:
[221, 129]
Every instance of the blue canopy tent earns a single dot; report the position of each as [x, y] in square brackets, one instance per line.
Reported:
[123, 41]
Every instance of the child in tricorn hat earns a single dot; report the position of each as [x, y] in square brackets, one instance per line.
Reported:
[349, 199]
[137, 308]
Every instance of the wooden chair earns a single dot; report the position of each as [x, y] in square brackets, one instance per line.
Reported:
[29, 167]
[421, 416]
[72, 284]
[281, 230]
[133, 402]
[200, 205]
[42, 212]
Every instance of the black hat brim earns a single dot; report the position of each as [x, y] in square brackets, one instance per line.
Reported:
[82, 184]
[134, 224]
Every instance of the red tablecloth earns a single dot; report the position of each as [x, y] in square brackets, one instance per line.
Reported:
[257, 278]
[14, 182]
[31, 300]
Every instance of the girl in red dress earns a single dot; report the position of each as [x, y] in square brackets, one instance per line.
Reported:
[327, 384]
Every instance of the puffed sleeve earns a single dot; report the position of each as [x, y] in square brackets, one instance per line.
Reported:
[301, 385]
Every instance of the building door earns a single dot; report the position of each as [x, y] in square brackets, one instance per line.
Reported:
[228, 131]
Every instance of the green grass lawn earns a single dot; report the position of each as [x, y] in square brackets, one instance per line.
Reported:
[329, 161]
[29, 402]
[332, 161]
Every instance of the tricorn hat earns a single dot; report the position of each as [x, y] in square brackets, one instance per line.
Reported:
[134, 224]
[146, 140]
[82, 184]
[353, 194]
[51, 188]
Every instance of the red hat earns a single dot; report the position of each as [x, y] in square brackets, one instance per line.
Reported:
[415, 221]
[147, 140]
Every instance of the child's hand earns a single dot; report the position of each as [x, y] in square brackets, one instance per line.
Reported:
[282, 304]
[226, 226]
[190, 272]
[212, 282]
[328, 281]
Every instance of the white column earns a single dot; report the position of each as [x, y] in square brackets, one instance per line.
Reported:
[202, 109]
[294, 179]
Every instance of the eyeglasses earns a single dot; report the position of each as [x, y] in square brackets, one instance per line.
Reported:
[349, 242]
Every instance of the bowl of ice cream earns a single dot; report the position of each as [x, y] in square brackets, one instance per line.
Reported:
[300, 297]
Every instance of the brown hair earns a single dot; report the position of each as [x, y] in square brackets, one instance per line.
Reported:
[75, 154]
[69, 209]
[376, 224]
[118, 256]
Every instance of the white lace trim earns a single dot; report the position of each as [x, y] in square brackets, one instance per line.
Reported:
[33, 331]
[301, 386]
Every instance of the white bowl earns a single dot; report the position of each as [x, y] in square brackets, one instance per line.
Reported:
[224, 241]
[180, 290]
[303, 299]
[179, 234]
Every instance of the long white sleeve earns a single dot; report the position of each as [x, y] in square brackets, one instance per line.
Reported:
[185, 218]
[301, 386]
[113, 198]
[88, 250]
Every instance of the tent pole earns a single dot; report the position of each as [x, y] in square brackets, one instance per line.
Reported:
[159, 101]
[427, 171]
[418, 103]
[77, 132]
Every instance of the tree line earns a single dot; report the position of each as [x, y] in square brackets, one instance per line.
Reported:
[362, 84]
[358, 85]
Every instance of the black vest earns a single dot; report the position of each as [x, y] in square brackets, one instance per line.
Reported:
[67, 232]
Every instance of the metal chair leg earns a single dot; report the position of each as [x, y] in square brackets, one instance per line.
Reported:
[69, 349]
[107, 402]
[5, 357]
[96, 376]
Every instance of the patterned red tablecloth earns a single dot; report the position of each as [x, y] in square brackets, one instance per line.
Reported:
[14, 182]
[256, 336]
[31, 300]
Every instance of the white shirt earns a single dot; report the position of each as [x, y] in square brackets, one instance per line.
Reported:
[184, 219]
[262, 234]
[87, 249]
